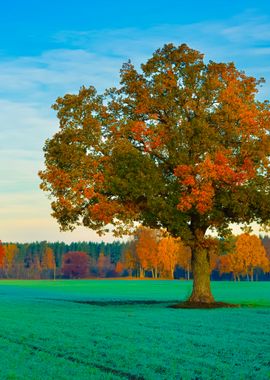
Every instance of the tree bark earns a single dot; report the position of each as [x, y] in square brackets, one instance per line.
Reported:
[200, 265]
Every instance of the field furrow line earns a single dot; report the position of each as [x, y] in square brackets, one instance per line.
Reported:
[73, 359]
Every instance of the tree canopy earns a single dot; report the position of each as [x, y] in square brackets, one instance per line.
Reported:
[180, 144]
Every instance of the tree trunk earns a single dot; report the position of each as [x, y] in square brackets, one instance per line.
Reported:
[200, 265]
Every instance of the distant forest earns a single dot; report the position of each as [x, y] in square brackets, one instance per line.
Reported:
[45, 260]
[148, 254]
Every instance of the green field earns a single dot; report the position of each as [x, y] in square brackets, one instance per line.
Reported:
[116, 329]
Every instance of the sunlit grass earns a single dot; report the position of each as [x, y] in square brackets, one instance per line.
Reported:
[45, 335]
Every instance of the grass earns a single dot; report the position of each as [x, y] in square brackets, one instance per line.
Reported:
[123, 330]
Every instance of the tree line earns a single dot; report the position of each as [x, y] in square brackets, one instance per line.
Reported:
[45, 260]
[156, 254]
[149, 253]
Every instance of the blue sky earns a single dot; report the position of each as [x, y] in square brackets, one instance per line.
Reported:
[49, 48]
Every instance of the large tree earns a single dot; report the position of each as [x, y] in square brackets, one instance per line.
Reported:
[180, 144]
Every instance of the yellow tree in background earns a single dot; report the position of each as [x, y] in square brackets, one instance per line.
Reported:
[251, 253]
[11, 250]
[170, 252]
[119, 268]
[248, 254]
[130, 260]
[231, 263]
[104, 264]
[48, 261]
[147, 249]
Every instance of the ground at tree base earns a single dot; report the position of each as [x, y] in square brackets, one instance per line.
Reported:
[202, 305]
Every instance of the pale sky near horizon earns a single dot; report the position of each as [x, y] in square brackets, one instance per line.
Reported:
[49, 48]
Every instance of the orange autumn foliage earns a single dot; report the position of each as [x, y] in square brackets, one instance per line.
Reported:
[168, 252]
[173, 252]
[158, 252]
[130, 260]
[231, 263]
[200, 181]
[252, 253]
[147, 247]
[48, 260]
[249, 253]
[11, 251]
[119, 268]
[104, 264]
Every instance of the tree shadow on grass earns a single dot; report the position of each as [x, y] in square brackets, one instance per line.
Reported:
[105, 303]
[173, 304]
[169, 304]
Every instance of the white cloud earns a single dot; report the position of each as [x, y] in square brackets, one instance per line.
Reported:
[41, 79]
[95, 57]
[23, 130]
[24, 125]
[248, 28]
